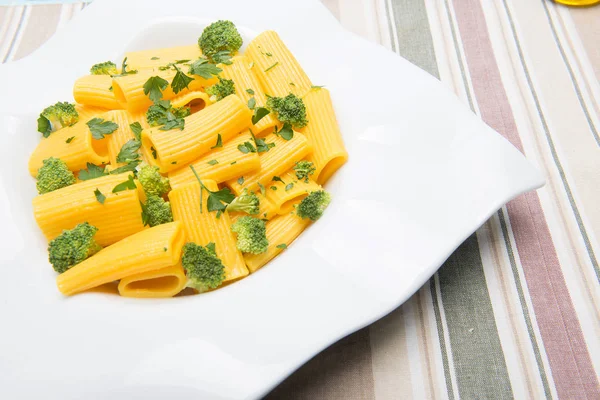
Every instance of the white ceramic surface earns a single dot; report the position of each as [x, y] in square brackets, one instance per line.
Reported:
[424, 173]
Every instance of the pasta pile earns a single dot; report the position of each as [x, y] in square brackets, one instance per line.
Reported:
[189, 166]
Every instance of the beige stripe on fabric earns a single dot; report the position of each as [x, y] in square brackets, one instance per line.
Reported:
[333, 6]
[342, 371]
[588, 26]
[389, 354]
[41, 25]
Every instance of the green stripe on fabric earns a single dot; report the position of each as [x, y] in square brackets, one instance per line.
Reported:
[414, 36]
[476, 350]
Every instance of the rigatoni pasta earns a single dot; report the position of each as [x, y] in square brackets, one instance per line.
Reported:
[119, 215]
[324, 134]
[276, 67]
[96, 91]
[184, 168]
[145, 251]
[220, 164]
[247, 87]
[173, 147]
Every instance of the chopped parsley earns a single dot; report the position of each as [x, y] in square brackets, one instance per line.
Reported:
[250, 91]
[289, 186]
[213, 162]
[251, 103]
[69, 140]
[92, 171]
[100, 127]
[128, 184]
[180, 80]
[129, 151]
[246, 148]
[129, 167]
[153, 150]
[216, 201]
[99, 196]
[259, 113]
[219, 142]
[154, 86]
[262, 189]
[286, 131]
[136, 128]
[240, 180]
[277, 179]
[272, 66]
[282, 246]
[204, 69]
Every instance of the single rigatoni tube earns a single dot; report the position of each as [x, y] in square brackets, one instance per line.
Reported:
[80, 149]
[164, 282]
[266, 210]
[285, 195]
[171, 149]
[129, 89]
[276, 67]
[149, 250]
[118, 217]
[247, 86]
[88, 112]
[323, 132]
[155, 58]
[220, 164]
[280, 231]
[276, 161]
[118, 138]
[95, 91]
[204, 227]
[195, 100]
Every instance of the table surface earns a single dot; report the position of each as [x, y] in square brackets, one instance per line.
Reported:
[515, 311]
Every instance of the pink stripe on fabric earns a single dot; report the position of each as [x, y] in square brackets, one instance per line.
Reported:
[569, 358]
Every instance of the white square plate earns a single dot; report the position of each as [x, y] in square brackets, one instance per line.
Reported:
[423, 174]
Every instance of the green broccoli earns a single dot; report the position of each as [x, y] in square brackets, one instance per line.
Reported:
[289, 109]
[157, 211]
[54, 174]
[220, 90]
[162, 113]
[152, 181]
[304, 169]
[251, 235]
[104, 68]
[218, 37]
[246, 202]
[72, 247]
[203, 268]
[57, 116]
[313, 205]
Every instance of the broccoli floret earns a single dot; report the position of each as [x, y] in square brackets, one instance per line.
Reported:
[304, 169]
[313, 205]
[72, 247]
[289, 109]
[203, 268]
[251, 235]
[152, 181]
[220, 90]
[162, 112]
[104, 68]
[158, 211]
[54, 174]
[246, 202]
[220, 36]
[57, 116]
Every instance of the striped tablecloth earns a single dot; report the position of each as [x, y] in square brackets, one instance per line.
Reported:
[515, 311]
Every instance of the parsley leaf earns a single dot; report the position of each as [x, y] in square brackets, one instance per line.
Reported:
[251, 103]
[129, 167]
[172, 124]
[204, 69]
[273, 188]
[69, 140]
[246, 148]
[222, 57]
[213, 162]
[289, 186]
[92, 171]
[250, 91]
[137, 129]
[100, 127]
[259, 113]
[155, 58]
[277, 179]
[129, 151]
[240, 180]
[262, 189]
[128, 184]
[154, 86]
[99, 196]
[261, 145]
[219, 142]
[180, 80]
[282, 246]
[216, 201]
[145, 215]
[153, 150]
[317, 87]
[286, 131]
